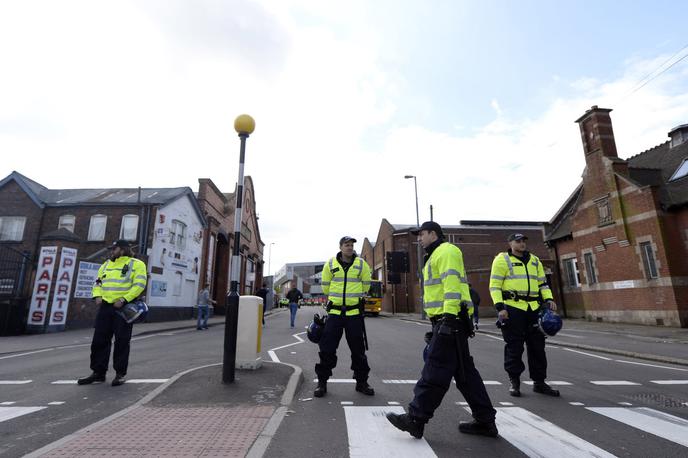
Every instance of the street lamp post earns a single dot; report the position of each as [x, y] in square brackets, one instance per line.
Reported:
[244, 125]
[419, 258]
[270, 257]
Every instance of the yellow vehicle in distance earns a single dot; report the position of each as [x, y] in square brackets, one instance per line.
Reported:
[373, 300]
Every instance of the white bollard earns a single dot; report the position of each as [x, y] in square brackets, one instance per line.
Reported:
[249, 333]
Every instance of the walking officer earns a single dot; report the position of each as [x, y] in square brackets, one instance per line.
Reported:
[121, 279]
[517, 285]
[447, 302]
[345, 280]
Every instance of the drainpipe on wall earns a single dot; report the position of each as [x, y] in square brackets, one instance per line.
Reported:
[559, 280]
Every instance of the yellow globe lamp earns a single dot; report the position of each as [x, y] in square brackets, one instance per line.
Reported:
[244, 124]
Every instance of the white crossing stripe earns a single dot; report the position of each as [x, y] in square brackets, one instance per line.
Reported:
[670, 382]
[461, 403]
[576, 403]
[15, 382]
[7, 413]
[63, 382]
[613, 382]
[393, 403]
[625, 404]
[669, 427]
[7, 403]
[507, 403]
[553, 382]
[347, 403]
[491, 382]
[588, 354]
[372, 435]
[651, 365]
[536, 437]
[401, 382]
[147, 380]
[340, 380]
[56, 403]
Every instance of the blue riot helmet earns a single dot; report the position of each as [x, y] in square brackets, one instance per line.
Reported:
[133, 311]
[549, 323]
[316, 328]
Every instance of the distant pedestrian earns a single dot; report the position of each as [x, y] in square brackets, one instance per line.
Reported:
[121, 279]
[475, 298]
[263, 294]
[204, 302]
[293, 296]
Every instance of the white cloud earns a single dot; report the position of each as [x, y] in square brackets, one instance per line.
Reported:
[156, 85]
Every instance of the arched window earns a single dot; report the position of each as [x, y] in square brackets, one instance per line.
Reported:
[67, 222]
[130, 227]
[96, 229]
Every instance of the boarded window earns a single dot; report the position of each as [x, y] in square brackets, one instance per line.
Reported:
[649, 262]
[12, 228]
[96, 229]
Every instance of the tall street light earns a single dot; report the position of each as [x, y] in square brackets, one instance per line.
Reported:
[270, 257]
[418, 252]
[244, 125]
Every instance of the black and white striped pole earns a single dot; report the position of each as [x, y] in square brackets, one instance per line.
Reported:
[244, 125]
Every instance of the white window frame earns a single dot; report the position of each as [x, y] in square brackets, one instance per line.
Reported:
[571, 271]
[681, 171]
[128, 233]
[92, 235]
[15, 224]
[63, 223]
[650, 266]
[178, 234]
[589, 261]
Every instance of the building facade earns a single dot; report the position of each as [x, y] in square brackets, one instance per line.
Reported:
[621, 238]
[305, 276]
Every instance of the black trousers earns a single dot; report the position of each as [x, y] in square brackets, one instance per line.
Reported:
[335, 326]
[522, 328]
[109, 324]
[443, 364]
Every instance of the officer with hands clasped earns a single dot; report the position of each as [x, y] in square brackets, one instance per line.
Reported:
[447, 303]
[345, 280]
[517, 285]
[121, 279]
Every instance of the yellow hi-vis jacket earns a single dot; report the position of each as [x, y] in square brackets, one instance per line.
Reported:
[445, 285]
[345, 289]
[123, 278]
[512, 277]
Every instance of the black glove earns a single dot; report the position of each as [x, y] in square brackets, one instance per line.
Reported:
[428, 337]
[500, 306]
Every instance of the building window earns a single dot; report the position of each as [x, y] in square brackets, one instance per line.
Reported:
[67, 222]
[177, 287]
[12, 228]
[590, 268]
[96, 229]
[681, 171]
[649, 262]
[572, 274]
[604, 211]
[130, 226]
[178, 234]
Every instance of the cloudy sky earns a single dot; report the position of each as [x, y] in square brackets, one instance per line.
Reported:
[476, 98]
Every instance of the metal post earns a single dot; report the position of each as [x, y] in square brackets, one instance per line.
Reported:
[419, 259]
[232, 301]
[270, 256]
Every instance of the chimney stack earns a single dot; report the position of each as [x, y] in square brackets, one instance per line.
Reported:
[596, 132]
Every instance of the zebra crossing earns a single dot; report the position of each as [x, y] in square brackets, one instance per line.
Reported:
[371, 435]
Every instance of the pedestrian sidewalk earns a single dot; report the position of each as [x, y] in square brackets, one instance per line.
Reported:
[652, 343]
[192, 415]
[37, 342]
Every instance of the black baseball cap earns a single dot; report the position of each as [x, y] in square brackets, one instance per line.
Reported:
[429, 226]
[121, 243]
[345, 239]
[516, 236]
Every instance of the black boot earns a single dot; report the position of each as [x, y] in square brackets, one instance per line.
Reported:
[479, 428]
[363, 387]
[93, 378]
[406, 422]
[515, 388]
[119, 379]
[543, 388]
[320, 390]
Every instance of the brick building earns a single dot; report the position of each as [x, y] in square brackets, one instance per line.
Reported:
[621, 237]
[164, 224]
[479, 241]
[218, 208]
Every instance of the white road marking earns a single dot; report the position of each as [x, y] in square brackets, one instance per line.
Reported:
[670, 382]
[27, 353]
[153, 335]
[576, 403]
[553, 382]
[372, 435]
[587, 354]
[536, 437]
[393, 403]
[7, 413]
[491, 382]
[63, 382]
[613, 382]
[570, 335]
[507, 403]
[401, 382]
[625, 404]
[669, 427]
[273, 356]
[461, 403]
[492, 337]
[15, 382]
[147, 380]
[339, 380]
[651, 365]
[347, 403]
[7, 403]
[56, 403]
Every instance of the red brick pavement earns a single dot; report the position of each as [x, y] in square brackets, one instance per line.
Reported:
[172, 432]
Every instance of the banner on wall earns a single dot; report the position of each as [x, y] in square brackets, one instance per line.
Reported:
[63, 287]
[88, 272]
[41, 286]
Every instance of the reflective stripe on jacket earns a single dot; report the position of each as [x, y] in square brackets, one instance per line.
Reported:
[124, 277]
[345, 289]
[445, 284]
[525, 279]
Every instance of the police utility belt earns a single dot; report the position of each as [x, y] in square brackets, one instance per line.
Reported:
[514, 296]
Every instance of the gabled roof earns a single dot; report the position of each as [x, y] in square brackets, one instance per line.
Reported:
[101, 197]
